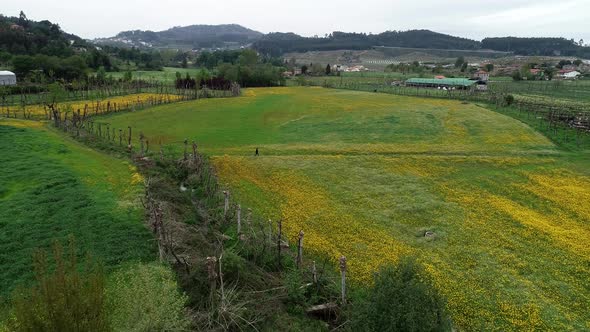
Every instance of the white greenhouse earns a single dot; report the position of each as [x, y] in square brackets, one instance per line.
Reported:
[7, 78]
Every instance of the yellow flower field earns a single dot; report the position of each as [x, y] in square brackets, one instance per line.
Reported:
[111, 103]
[366, 175]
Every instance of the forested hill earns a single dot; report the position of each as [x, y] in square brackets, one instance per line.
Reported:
[193, 36]
[280, 43]
[537, 46]
[21, 36]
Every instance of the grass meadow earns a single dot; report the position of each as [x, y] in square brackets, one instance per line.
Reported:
[51, 188]
[367, 175]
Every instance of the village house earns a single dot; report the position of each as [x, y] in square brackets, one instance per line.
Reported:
[568, 74]
[482, 75]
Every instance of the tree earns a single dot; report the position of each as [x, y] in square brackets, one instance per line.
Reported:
[328, 69]
[402, 298]
[464, 67]
[23, 65]
[489, 67]
[304, 69]
[248, 57]
[101, 75]
[128, 77]
[563, 63]
[577, 62]
[184, 63]
[549, 72]
[459, 62]
[517, 76]
[22, 19]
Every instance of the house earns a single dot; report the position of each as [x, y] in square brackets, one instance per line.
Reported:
[356, 69]
[7, 78]
[16, 27]
[439, 77]
[482, 75]
[569, 74]
[536, 71]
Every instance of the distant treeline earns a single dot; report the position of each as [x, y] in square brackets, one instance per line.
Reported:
[276, 44]
[537, 46]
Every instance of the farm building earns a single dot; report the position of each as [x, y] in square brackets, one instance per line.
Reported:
[569, 74]
[7, 78]
[482, 75]
[449, 83]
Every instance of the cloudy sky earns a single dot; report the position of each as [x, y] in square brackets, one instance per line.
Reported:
[467, 18]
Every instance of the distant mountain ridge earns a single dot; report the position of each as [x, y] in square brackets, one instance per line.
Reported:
[192, 36]
[232, 36]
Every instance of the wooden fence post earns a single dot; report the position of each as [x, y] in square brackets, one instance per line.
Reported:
[129, 139]
[141, 139]
[343, 276]
[226, 203]
[212, 276]
[185, 151]
[195, 152]
[120, 137]
[279, 243]
[300, 249]
[314, 273]
[239, 215]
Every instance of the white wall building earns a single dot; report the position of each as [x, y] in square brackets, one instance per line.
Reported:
[569, 75]
[7, 78]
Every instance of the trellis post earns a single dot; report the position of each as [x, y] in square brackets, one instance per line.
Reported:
[343, 278]
[300, 249]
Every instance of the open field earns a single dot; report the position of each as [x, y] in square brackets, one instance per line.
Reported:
[366, 175]
[52, 187]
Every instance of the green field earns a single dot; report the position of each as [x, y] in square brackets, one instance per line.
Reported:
[366, 175]
[52, 187]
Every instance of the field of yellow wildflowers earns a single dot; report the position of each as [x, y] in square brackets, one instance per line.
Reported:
[367, 175]
[107, 104]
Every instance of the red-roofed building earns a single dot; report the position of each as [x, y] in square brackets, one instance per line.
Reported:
[482, 75]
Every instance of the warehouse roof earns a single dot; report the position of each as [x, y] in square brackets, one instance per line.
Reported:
[441, 82]
[5, 72]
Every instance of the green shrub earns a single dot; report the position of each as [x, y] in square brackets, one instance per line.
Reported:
[145, 297]
[65, 299]
[508, 100]
[402, 299]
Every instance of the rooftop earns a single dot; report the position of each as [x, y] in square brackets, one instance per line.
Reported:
[444, 81]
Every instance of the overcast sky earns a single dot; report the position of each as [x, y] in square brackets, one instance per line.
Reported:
[474, 19]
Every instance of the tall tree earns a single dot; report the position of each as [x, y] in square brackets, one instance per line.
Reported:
[328, 69]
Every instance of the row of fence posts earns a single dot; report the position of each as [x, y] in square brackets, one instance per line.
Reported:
[559, 121]
[280, 245]
[99, 108]
[158, 226]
